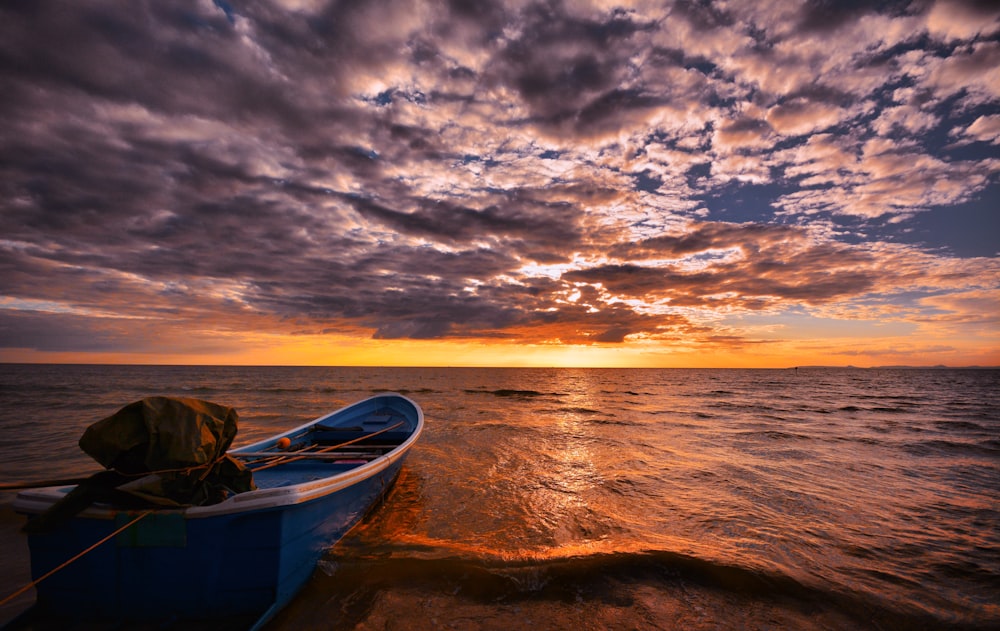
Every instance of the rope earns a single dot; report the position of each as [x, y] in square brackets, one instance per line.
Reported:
[77, 557]
[286, 459]
[208, 466]
[16, 486]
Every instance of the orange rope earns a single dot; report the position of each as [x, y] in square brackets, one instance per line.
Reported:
[90, 549]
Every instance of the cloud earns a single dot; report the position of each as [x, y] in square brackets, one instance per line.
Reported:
[967, 307]
[735, 266]
[572, 72]
[985, 128]
[521, 171]
[973, 71]
[822, 16]
[801, 116]
[744, 133]
[954, 19]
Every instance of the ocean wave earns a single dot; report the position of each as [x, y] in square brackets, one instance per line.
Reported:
[774, 434]
[948, 424]
[409, 391]
[516, 394]
[607, 577]
[864, 440]
[948, 447]
[580, 410]
[493, 577]
[609, 421]
[202, 389]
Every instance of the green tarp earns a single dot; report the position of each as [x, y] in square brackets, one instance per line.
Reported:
[167, 436]
[162, 451]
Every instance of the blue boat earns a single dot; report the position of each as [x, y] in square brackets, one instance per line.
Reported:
[243, 558]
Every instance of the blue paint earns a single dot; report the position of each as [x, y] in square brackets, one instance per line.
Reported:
[218, 562]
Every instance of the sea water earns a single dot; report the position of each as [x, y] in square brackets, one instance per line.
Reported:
[809, 498]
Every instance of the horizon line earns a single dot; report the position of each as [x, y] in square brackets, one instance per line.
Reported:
[466, 366]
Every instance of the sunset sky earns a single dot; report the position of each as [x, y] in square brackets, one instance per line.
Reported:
[568, 183]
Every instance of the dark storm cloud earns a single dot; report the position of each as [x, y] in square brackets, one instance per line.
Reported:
[754, 287]
[569, 71]
[165, 56]
[707, 236]
[829, 15]
[703, 15]
[515, 216]
[61, 332]
[525, 171]
[771, 263]
[87, 333]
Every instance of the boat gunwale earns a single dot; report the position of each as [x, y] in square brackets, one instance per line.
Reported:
[39, 499]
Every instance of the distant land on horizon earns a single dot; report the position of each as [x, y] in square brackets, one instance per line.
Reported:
[906, 367]
[804, 367]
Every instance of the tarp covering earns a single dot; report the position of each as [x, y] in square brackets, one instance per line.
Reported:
[159, 433]
[163, 451]
[167, 437]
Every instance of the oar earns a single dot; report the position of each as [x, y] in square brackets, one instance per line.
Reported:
[327, 456]
[283, 459]
[268, 456]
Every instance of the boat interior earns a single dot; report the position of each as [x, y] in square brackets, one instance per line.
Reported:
[320, 451]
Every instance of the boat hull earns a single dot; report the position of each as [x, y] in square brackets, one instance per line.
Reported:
[169, 568]
[247, 556]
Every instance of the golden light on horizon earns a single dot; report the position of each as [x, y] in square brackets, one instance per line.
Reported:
[326, 350]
